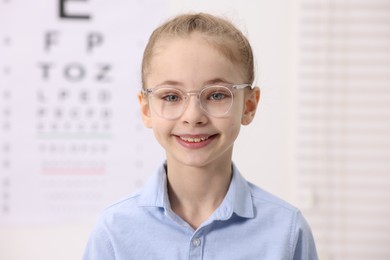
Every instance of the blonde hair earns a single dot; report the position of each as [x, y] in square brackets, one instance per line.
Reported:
[219, 32]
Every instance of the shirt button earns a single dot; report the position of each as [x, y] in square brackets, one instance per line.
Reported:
[196, 242]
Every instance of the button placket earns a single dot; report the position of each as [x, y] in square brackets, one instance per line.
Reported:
[196, 245]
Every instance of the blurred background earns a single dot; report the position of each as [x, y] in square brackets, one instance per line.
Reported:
[72, 142]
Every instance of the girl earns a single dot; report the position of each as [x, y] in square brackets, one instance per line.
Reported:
[197, 75]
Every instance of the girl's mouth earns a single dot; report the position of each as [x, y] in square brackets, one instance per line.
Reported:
[195, 142]
[194, 139]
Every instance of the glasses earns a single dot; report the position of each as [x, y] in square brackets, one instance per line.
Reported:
[170, 103]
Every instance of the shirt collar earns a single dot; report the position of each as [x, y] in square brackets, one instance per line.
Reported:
[239, 196]
[155, 192]
[238, 199]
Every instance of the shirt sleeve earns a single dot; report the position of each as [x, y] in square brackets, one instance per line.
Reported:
[303, 245]
[99, 246]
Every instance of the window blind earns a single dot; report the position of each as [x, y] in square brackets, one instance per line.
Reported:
[342, 126]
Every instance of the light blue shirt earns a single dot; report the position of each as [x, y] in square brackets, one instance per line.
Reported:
[249, 224]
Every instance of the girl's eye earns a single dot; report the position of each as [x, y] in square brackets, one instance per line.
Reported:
[171, 98]
[216, 93]
[217, 96]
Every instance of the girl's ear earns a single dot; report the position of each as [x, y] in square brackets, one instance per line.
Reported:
[251, 101]
[145, 110]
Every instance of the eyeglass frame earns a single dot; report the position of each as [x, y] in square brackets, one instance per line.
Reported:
[231, 87]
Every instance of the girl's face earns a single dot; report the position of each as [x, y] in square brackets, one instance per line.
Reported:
[195, 138]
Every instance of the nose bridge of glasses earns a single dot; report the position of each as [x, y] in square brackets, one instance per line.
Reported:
[193, 93]
[189, 94]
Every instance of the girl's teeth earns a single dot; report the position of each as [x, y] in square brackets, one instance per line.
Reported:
[193, 140]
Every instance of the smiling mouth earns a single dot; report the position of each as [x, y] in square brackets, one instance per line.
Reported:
[194, 139]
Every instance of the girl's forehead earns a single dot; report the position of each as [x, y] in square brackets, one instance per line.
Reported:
[183, 59]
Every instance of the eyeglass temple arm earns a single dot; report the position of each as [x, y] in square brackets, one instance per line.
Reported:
[240, 86]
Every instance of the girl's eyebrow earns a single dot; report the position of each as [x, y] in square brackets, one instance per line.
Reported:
[170, 83]
[208, 82]
[217, 80]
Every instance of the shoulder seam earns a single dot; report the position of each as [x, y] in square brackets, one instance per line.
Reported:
[282, 204]
[292, 234]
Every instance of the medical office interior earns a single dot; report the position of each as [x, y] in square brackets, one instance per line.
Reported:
[72, 141]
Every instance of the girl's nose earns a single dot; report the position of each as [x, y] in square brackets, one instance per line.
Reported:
[193, 113]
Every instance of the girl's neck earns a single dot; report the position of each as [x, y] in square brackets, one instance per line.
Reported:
[195, 193]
